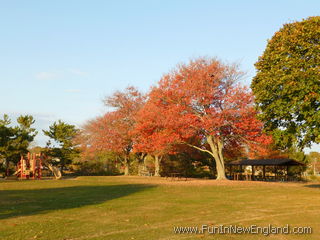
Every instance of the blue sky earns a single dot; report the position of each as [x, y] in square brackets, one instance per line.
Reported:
[59, 59]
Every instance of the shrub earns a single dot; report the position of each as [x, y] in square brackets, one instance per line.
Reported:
[94, 168]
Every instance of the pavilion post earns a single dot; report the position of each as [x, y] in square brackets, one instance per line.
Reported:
[264, 172]
[252, 167]
[300, 173]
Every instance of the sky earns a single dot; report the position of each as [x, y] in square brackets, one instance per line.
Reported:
[60, 59]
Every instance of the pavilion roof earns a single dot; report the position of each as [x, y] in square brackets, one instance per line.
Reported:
[267, 162]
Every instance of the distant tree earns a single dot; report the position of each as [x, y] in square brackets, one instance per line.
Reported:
[15, 140]
[201, 105]
[36, 149]
[286, 86]
[24, 133]
[113, 131]
[6, 135]
[62, 146]
[109, 133]
[314, 159]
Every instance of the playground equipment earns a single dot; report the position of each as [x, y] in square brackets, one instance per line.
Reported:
[30, 167]
[55, 170]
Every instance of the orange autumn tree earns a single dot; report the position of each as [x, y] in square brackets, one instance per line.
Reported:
[201, 102]
[113, 131]
[151, 135]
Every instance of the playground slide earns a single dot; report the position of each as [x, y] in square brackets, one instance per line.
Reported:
[16, 172]
[56, 171]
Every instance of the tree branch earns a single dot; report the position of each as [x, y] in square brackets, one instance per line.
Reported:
[203, 150]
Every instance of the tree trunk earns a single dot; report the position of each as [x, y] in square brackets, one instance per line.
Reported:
[216, 149]
[61, 169]
[126, 166]
[141, 163]
[7, 168]
[126, 170]
[157, 162]
[140, 167]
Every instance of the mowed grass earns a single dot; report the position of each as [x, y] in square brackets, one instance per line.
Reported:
[149, 208]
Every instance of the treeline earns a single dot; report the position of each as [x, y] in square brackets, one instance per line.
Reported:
[197, 115]
[193, 121]
[15, 140]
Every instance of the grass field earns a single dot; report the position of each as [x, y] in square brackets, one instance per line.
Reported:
[149, 208]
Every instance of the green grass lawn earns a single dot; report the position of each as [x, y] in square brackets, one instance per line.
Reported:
[149, 208]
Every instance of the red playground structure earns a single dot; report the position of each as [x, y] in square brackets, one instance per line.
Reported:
[29, 167]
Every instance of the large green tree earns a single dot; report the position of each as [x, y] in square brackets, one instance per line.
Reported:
[287, 84]
[63, 147]
[15, 140]
[6, 134]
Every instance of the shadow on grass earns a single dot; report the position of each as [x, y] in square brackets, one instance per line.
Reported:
[15, 203]
[313, 185]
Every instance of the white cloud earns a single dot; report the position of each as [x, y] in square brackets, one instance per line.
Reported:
[78, 72]
[45, 75]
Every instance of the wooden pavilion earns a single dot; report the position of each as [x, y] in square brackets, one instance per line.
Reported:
[264, 169]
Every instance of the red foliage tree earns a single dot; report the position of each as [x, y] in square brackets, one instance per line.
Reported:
[151, 135]
[201, 101]
[113, 131]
